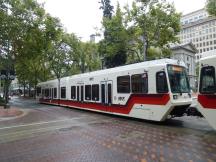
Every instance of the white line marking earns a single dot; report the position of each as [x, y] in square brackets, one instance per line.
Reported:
[40, 123]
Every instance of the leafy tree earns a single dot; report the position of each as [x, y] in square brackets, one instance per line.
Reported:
[107, 14]
[114, 45]
[107, 8]
[156, 24]
[60, 54]
[211, 7]
[18, 19]
[22, 73]
[91, 56]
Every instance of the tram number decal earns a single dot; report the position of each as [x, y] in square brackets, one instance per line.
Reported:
[121, 98]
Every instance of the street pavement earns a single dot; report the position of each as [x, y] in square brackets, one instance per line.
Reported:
[45, 133]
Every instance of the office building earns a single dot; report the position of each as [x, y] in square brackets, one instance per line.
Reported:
[200, 29]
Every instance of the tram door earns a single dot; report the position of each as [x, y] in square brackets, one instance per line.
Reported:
[51, 93]
[106, 92]
[80, 93]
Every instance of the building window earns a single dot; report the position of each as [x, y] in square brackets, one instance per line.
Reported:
[139, 83]
[188, 68]
[95, 92]
[161, 82]
[123, 84]
[87, 92]
[38, 90]
[63, 92]
[73, 92]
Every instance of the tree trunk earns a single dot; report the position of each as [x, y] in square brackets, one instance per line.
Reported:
[59, 91]
[7, 83]
[24, 87]
[35, 91]
[144, 48]
[29, 91]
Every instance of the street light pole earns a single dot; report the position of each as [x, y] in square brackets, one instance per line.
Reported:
[7, 76]
[144, 48]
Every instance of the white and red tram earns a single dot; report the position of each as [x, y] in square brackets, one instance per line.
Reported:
[207, 89]
[150, 90]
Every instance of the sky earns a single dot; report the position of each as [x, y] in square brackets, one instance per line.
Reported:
[83, 16]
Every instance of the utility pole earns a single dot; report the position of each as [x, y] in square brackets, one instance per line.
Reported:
[144, 48]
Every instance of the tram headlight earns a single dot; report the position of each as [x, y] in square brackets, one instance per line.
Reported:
[175, 97]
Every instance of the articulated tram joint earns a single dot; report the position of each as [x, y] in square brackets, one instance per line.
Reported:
[179, 111]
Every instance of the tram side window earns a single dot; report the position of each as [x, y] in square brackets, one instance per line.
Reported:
[63, 92]
[139, 83]
[38, 91]
[73, 92]
[87, 92]
[161, 82]
[55, 93]
[43, 92]
[95, 92]
[123, 84]
[207, 80]
[46, 93]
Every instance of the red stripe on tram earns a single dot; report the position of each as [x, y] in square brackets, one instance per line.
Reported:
[148, 99]
[207, 101]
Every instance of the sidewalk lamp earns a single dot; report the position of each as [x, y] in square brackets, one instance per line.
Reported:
[7, 75]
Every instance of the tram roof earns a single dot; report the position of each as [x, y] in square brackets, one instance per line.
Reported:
[146, 64]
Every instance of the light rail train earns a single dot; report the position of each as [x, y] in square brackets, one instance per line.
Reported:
[206, 102]
[152, 90]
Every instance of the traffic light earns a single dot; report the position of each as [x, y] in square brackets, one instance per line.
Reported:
[11, 75]
[3, 75]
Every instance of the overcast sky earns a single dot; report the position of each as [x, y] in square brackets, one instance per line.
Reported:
[82, 16]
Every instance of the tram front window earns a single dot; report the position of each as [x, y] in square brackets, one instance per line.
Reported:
[178, 79]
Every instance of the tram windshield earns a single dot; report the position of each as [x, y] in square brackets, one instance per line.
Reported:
[178, 79]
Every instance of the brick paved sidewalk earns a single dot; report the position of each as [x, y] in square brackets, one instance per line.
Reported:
[10, 112]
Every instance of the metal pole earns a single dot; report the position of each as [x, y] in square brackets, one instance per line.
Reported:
[144, 48]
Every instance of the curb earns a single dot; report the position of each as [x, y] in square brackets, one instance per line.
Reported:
[10, 112]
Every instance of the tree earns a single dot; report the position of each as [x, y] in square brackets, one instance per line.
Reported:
[91, 56]
[114, 45]
[61, 50]
[107, 8]
[156, 23]
[18, 20]
[211, 7]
